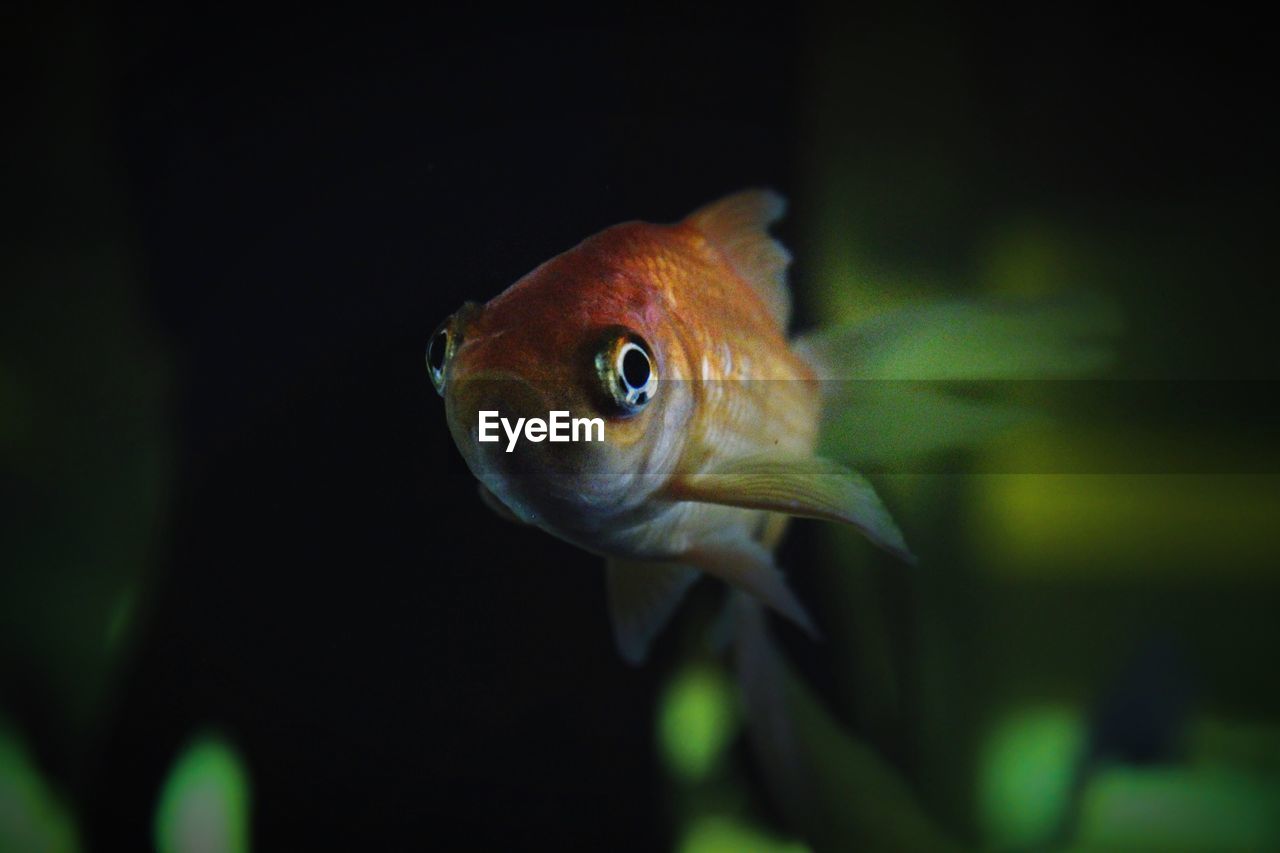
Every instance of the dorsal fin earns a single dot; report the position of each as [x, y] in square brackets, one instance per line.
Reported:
[736, 225]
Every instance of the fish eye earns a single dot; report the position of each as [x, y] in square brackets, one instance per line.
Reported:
[438, 356]
[627, 371]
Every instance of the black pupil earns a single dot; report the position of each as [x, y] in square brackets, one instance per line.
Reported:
[436, 350]
[635, 368]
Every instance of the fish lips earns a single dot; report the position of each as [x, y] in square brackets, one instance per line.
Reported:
[536, 477]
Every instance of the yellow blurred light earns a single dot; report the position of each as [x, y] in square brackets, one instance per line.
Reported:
[1074, 525]
[1028, 258]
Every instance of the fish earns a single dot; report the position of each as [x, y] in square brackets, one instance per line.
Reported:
[720, 427]
[676, 336]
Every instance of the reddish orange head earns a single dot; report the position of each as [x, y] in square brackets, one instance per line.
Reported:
[587, 334]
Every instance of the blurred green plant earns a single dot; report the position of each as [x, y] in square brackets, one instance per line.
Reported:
[697, 720]
[1028, 779]
[1179, 808]
[85, 439]
[204, 804]
[33, 819]
[719, 834]
[963, 704]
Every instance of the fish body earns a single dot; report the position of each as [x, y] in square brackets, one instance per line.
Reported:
[676, 336]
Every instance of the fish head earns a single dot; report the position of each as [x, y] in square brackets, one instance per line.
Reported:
[585, 336]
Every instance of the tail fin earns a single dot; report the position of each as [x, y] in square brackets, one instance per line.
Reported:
[883, 405]
[832, 786]
[969, 340]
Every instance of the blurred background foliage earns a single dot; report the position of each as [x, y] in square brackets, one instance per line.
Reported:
[247, 597]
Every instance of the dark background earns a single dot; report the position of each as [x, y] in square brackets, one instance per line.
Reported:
[299, 195]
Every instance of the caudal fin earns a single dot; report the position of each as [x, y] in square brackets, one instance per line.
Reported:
[883, 378]
[957, 339]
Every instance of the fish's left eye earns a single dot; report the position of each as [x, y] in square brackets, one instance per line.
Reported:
[438, 356]
[628, 372]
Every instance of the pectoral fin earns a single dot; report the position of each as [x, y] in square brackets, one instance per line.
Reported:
[642, 598]
[747, 565]
[810, 487]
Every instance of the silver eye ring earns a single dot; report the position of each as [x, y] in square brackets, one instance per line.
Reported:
[438, 355]
[628, 372]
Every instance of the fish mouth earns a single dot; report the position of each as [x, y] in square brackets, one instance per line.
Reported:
[474, 391]
[510, 396]
[510, 468]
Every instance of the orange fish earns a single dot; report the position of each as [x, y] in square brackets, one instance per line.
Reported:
[675, 338]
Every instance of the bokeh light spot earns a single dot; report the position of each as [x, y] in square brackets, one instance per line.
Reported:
[719, 834]
[31, 817]
[1030, 763]
[204, 805]
[696, 721]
